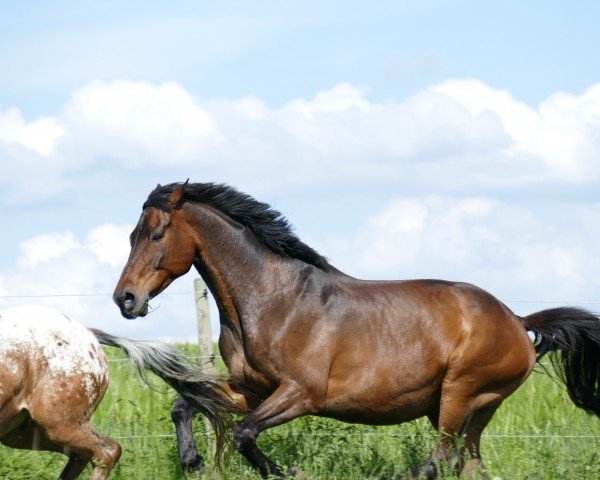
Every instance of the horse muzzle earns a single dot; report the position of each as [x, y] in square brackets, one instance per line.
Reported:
[131, 306]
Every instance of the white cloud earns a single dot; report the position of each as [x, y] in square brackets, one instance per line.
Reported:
[503, 247]
[460, 136]
[43, 248]
[340, 98]
[110, 244]
[393, 237]
[106, 244]
[137, 123]
[39, 135]
[563, 130]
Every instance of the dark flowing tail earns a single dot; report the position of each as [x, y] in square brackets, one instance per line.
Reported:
[200, 388]
[576, 334]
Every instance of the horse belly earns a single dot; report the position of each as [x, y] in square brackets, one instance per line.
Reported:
[383, 399]
[12, 373]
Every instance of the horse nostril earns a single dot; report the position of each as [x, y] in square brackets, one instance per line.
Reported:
[128, 301]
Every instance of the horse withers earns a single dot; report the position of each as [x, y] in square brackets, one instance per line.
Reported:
[53, 375]
[299, 337]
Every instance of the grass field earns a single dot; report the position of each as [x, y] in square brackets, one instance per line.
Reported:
[536, 434]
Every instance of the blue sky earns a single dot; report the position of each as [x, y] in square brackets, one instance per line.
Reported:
[453, 139]
[283, 50]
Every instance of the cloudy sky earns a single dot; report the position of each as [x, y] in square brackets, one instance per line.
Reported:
[403, 139]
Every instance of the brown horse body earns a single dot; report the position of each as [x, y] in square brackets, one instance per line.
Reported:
[300, 337]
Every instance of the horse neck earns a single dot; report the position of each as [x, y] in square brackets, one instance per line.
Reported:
[232, 262]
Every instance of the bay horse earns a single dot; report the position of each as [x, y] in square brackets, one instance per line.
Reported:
[299, 337]
[53, 375]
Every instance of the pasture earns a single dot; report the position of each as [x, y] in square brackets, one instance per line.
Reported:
[537, 434]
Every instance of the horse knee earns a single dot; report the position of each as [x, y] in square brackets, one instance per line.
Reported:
[243, 437]
[180, 411]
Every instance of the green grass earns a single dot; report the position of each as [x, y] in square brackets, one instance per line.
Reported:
[139, 418]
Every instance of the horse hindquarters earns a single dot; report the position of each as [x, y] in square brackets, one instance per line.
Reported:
[64, 425]
[491, 360]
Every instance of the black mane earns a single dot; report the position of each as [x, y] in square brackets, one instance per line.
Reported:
[268, 225]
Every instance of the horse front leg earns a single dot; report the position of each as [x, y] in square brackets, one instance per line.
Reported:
[286, 403]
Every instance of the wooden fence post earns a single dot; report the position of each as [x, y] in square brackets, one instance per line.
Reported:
[207, 351]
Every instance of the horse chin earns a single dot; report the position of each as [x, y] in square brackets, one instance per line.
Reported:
[144, 310]
[132, 315]
[129, 316]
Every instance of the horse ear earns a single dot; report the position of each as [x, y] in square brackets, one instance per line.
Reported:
[176, 196]
[158, 185]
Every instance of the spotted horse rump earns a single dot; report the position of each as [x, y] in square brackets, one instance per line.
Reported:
[53, 375]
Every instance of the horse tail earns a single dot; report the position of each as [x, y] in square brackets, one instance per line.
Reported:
[575, 333]
[200, 388]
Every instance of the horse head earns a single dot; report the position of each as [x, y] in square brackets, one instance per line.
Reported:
[161, 251]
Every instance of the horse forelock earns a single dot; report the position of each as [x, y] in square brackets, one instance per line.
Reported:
[270, 227]
[158, 198]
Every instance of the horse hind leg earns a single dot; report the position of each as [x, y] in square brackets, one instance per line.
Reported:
[459, 428]
[32, 437]
[473, 468]
[73, 468]
[454, 446]
[182, 414]
[85, 445]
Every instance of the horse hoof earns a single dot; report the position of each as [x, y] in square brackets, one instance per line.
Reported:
[195, 465]
[427, 471]
[297, 474]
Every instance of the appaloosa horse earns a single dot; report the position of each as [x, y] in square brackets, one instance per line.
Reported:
[299, 337]
[53, 375]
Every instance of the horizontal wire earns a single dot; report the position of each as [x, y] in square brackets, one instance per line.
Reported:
[558, 302]
[52, 295]
[210, 357]
[375, 434]
[207, 357]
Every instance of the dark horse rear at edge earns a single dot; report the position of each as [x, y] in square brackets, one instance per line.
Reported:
[299, 337]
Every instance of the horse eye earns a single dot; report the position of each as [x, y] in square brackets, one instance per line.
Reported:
[156, 237]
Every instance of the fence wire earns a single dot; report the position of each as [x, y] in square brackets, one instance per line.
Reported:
[377, 434]
[53, 295]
